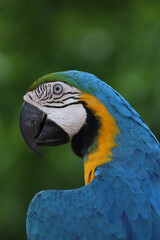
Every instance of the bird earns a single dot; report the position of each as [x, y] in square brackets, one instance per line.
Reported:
[121, 196]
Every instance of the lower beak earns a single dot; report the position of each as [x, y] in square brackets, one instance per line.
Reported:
[36, 129]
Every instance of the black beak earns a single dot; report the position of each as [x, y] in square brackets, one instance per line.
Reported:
[37, 130]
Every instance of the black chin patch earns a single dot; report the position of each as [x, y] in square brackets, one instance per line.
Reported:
[86, 136]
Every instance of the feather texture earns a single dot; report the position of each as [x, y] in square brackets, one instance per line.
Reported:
[122, 202]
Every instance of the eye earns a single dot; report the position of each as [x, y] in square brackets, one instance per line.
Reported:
[57, 89]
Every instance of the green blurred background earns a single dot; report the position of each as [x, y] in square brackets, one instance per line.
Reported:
[119, 41]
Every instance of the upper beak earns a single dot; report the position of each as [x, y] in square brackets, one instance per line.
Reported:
[37, 130]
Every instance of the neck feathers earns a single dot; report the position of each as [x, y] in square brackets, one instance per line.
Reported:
[106, 134]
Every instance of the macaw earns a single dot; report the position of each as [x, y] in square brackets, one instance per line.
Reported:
[121, 196]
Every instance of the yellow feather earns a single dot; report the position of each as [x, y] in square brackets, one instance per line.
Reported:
[106, 137]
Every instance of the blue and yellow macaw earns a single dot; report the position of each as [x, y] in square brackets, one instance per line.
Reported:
[121, 196]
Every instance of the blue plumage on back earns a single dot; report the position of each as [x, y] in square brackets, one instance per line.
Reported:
[122, 202]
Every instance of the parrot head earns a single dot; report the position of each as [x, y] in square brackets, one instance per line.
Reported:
[69, 107]
[78, 107]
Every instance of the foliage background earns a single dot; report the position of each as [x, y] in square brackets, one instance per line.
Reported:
[119, 41]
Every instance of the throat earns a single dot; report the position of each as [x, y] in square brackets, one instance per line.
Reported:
[101, 153]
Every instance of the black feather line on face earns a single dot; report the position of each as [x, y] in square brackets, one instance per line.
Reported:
[52, 101]
[76, 98]
[84, 139]
[62, 101]
[80, 102]
[65, 93]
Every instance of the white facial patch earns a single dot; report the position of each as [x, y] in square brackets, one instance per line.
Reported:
[70, 118]
[60, 103]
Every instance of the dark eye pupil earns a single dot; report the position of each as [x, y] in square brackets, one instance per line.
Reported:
[57, 88]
